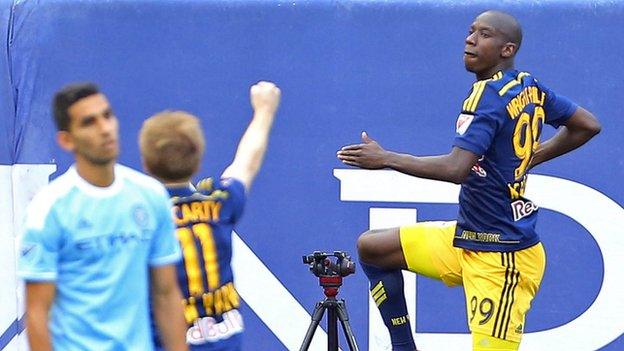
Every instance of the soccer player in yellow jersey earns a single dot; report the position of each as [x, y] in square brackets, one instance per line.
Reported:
[491, 249]
[172, 145]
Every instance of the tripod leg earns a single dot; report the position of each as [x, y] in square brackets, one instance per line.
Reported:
[341, 310]
[317, 315]
[332, 328]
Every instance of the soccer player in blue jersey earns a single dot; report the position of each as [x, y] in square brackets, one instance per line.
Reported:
[492, 249]
[94, 239]
[172, 146]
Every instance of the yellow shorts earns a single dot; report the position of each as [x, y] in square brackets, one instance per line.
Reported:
[499, 286]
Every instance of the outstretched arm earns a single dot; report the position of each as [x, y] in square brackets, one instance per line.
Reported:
[578, 129]
[265, 97]
[453, 167]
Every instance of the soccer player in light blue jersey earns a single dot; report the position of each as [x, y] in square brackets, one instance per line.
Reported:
[492, 249]
[172, 145]
[96, 239]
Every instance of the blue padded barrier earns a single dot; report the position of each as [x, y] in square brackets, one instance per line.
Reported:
[392, 68]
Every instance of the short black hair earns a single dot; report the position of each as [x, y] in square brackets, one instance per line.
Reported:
[67, 96]
[508, 25]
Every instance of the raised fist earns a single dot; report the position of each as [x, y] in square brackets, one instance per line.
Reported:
[265, 97]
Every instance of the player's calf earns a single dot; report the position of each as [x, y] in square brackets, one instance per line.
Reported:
[381, 258]
[386, 287]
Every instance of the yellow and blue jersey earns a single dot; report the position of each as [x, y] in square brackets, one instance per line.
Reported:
[501, 121]
[205, 216]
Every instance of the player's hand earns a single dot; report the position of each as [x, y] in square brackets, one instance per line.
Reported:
[369, 154]
[265, 97]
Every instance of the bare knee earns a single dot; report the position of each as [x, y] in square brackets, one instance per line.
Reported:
[379, 247]
[366, 247]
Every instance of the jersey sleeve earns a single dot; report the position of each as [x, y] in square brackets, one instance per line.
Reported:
[165, 248]
[39, 246]
[237, 196]
[558, 108]
[479, 120]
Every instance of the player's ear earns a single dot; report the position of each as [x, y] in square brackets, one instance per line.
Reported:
[145, 166]
[65, 140]
[509, 50]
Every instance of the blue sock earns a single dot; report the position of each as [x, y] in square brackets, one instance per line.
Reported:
[387, 290]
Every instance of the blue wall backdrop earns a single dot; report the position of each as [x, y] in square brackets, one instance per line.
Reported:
[6, 94]
[392, 68]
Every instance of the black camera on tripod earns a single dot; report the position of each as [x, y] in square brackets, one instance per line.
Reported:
[322, 265]
[330, 273]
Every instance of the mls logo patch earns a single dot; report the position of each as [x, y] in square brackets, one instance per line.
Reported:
[463, 122]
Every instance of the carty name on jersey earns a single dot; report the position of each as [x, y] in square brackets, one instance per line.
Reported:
[196, 211]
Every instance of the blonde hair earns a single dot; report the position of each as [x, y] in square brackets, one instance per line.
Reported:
[172, 145]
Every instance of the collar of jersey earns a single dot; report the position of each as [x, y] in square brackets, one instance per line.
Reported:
[97, 191]
[504, 72]
[181, 190]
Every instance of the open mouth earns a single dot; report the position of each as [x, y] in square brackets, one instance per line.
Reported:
[470, 54]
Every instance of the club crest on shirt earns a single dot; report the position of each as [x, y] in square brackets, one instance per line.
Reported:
[141, 217]
[463, 122]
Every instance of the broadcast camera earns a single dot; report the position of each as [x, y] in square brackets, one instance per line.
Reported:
[322, 265]
[330, 273]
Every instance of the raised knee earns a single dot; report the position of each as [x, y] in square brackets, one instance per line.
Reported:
[367, 250]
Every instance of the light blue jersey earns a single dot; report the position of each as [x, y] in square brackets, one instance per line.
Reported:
[97, 245]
